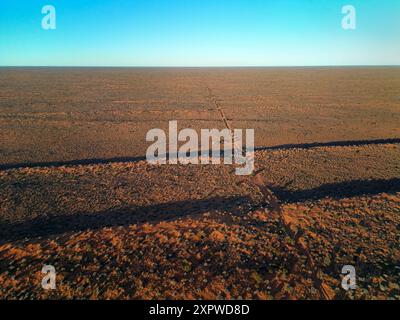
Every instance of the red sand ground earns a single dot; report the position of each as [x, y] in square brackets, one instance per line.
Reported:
[127, 229]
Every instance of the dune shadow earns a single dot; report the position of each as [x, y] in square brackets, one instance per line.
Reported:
[95, 161]
[75, 222]
[339, 190]
[58, 224]
[344, 143]
[77, 162]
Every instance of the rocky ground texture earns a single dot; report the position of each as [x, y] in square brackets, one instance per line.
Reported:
[131, 230]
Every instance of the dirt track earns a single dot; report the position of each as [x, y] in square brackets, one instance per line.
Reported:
[49, 115]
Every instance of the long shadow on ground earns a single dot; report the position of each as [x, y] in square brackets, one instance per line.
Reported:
[338, 190]
[95, 161]
[47, 226]
[57, 224]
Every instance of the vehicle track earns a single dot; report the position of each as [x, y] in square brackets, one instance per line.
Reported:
[214, 100]
[295, 232]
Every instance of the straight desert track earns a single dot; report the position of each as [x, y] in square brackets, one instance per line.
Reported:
[63, 114]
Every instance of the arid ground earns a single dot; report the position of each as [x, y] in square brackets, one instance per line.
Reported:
[76, 191]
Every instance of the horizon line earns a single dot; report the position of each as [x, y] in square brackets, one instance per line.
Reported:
[194, 66]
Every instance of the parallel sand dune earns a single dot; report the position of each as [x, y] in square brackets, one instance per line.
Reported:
[76, 192]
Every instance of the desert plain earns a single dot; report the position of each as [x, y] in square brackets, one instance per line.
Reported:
[77, 193]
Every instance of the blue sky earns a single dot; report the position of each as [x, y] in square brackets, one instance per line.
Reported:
[199, 33]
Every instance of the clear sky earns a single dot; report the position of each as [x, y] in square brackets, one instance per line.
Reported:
[199, 33]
